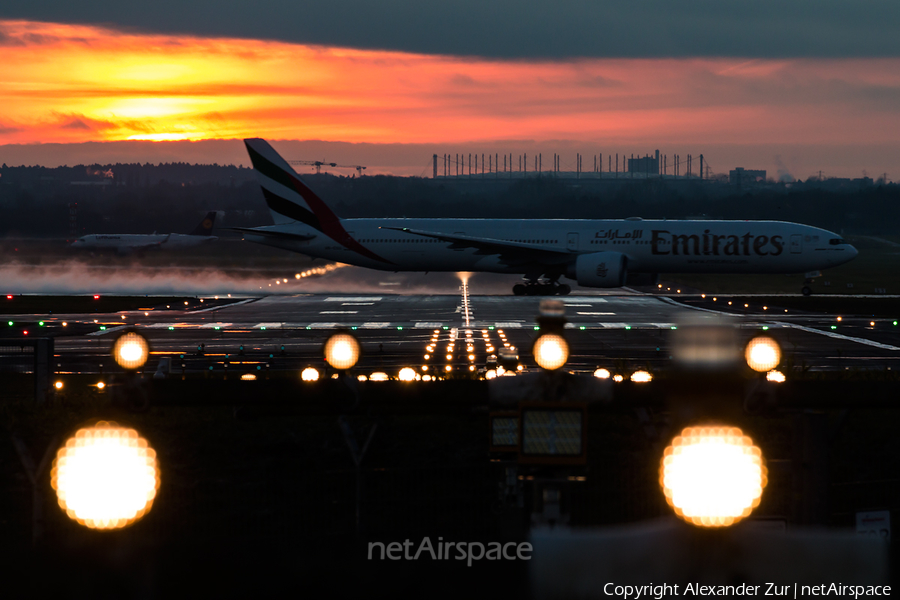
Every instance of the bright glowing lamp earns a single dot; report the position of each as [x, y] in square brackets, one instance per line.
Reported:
[641, 377]
[763, 353]
[602, 373]
[775, 376]
[58, 385]
[105, 476]
[309, 374]
[551, 351]
[712, 476]
[378, 376]
[407, 374]
[131, 350]
[342, 351]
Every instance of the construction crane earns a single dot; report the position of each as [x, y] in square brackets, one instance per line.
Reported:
[318, 164]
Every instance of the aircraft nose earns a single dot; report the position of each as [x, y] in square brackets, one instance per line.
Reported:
[851, 252]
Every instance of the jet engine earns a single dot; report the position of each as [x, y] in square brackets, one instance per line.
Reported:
[599, 269]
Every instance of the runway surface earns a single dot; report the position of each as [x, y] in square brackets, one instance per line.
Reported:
[617, 329]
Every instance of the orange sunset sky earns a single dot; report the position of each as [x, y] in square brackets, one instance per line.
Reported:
[68, 84]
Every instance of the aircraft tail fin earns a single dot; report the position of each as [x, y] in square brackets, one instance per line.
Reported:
[206, 225]
[289, 199]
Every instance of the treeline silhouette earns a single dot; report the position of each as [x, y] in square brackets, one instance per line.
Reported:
[134, 198]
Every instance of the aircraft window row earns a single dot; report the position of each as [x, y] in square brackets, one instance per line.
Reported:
[535, 241]
[405, 241]
[836, 242]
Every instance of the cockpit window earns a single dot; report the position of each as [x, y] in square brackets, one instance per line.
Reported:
[836, 242]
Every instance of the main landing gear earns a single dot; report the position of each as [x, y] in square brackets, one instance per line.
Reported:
[535, 288]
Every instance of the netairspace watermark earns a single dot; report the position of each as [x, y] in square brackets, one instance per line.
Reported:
[441, 550]
[795, 591]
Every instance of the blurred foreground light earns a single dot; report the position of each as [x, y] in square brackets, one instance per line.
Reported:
[362, 378]
[641, 377]
[705, 343]
[100, 385]
[618, 378]
[131, 350]
[309, 374]
[378, 376]
[776, 376]
[248, 377]
[490, 374]
[550, 351]
[58, 385]
[342, 351]
[602, 374]
[105, 476]
[712, 476]
[407, 374]
[762, 353]
[426, 378]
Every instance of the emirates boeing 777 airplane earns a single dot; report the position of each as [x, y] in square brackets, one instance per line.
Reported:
[593, 253]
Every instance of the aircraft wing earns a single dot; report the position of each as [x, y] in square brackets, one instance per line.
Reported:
[510, 253]
[299, 237]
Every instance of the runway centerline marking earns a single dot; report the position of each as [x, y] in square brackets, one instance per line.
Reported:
[596, 314]
[353, 299]
[338, 312]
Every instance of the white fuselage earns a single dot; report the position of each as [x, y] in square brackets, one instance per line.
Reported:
[137, 241]
[649, 246]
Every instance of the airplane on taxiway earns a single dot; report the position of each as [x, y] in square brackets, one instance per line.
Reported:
[135, 242]
[593, 253]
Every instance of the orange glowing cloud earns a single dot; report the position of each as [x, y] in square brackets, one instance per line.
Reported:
[68, 83]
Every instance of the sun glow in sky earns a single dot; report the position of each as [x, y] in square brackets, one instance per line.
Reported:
[71, 83]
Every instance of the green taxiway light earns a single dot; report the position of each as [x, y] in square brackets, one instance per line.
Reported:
[628, 327]
[171, 329]
[353, 328]
[446, 327]
[674, 327]
[765, 327]
[895, 322]
[834, 326]
[582, 328]
[10, 323]
[491, 327]
[399, 329]
[103, 328]
[536, 327]
[218, 328]
[263, 328]
[41, 323]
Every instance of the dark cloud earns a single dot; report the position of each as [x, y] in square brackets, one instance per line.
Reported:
[517, 28]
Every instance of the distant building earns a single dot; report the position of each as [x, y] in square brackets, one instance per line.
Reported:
[746, 177]
[648, 165]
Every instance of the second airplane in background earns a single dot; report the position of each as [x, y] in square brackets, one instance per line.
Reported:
[594, 253]
[125, 243]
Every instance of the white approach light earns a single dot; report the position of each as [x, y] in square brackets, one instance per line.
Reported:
[131, 351]
[407, 374]
[712, 476]
[309, 374]
[551, 351]
[602, 373]
[342, 351]
[106, 476]
[763, 354]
